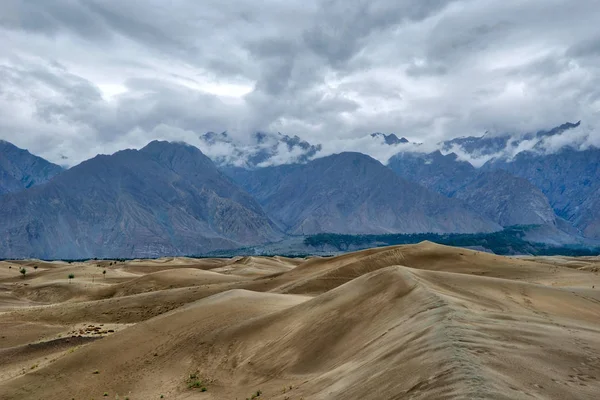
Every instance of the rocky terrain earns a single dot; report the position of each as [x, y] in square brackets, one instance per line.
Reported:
[20, 170]
[166, 198]
[172, 199]
[354, 193]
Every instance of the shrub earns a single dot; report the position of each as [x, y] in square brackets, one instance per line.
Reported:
[71, 276]
[23, 271]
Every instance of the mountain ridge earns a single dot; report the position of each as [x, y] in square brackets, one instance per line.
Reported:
[19, 169]
[129, 204]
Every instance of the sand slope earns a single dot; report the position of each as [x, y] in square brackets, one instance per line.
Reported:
[405, 322]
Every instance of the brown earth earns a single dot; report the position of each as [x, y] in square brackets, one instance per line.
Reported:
[405, 322]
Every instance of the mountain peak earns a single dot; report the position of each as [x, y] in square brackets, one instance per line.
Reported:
[179, 156]
[390, 139]
[19, 169]
[264, 149]
[506, 145]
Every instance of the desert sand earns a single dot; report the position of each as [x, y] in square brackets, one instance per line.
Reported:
[406, 322]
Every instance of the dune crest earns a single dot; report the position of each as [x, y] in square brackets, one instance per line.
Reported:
[417, 322]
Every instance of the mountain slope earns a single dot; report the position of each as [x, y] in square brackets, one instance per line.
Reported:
[164, 199]
[500, 196]
[569, 178]
[441, 173]
[20, 170]
[355, 194]
[508, 200]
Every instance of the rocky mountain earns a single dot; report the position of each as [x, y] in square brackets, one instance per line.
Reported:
[354, 194]
[20, 170]
[502, 197]
[165, 199]
[507, 200]
[390, 139]
[262, 149]
[505, 145]
[569, 178]
[438, 172]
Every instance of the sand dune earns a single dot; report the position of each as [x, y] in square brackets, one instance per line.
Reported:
[405, 322]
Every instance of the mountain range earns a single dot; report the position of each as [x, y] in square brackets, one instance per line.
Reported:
[171, 199]
[355, 194]
[166, 198]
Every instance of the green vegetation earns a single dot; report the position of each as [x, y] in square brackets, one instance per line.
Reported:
[71, 276]
[23, 272]
[194, 382]
[104, 274]
[506, 242]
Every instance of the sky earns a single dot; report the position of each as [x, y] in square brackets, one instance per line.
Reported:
[78, 78]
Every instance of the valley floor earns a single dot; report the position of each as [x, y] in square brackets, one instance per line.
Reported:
[420, 321]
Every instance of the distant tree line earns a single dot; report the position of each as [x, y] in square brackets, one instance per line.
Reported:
[509, 241]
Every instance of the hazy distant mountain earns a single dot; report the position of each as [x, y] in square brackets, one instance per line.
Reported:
[503, 143]
[164, 199]
[353, 193]
[569, 178]
[500, 196]
[390, 139]
[507, 200]
[441, 173]
[20, 170]
[263, 149]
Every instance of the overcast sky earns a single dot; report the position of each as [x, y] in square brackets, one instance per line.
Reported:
[79, 78]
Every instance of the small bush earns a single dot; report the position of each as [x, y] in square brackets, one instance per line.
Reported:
[23, 271]
[194, 382]
[255, 395]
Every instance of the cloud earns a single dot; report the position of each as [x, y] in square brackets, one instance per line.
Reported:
[82, 77]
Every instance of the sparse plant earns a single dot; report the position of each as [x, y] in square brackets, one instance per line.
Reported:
[23, 272]
[104, 273]
[105, 394]
[71, 276]
[96, 372]
[195, 383]
[35, 267]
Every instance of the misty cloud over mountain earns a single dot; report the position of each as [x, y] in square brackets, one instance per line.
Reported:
[78, 78]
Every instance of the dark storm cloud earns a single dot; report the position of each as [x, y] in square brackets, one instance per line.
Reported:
[82, 77]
